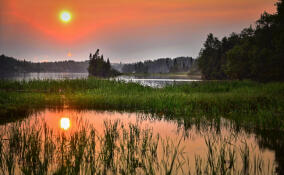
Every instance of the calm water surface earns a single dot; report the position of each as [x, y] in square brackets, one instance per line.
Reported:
[153, 81]
[45, 76]
[261, 149]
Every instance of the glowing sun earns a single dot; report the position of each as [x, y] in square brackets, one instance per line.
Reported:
[65, 123]
[65, 16]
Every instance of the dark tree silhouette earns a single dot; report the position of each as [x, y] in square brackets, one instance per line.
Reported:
[9, 65]
[162, 65]
[99, 67]
[256, 53]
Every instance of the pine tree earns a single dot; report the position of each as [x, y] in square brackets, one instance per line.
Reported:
[99, 67]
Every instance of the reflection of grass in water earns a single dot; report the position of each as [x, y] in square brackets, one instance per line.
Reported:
[247, 103]
[222, 158]
[120, 149]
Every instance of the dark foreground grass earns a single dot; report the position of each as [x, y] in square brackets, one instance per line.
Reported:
[248, 103]
[34, 148]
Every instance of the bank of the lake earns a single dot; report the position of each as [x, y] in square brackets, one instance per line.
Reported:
[176, 75]
[248, 103]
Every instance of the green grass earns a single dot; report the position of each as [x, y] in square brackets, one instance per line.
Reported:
[247, 103]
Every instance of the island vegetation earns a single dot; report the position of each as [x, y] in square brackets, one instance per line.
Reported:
[98, 67]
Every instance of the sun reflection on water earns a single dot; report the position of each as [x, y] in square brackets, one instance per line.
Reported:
[65, 123]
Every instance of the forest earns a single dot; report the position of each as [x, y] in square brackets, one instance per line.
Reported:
[257, 53]
[10, 65]
[162, 65]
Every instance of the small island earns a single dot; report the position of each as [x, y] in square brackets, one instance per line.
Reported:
[98, 67]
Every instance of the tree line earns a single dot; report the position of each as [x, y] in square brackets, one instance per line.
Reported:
[162, 65]
[10, 65]
[257, 53]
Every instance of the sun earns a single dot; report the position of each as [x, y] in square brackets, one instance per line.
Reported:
[65, 16]
[65, 123]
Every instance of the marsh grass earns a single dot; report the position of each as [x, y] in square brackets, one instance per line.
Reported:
[247, 103]
[225, 158]
[33, 148]
[121, 149]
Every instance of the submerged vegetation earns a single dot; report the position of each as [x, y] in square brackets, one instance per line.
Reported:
[34, 148]
[249, 103]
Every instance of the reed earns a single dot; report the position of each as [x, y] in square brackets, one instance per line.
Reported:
[27, 148]
[247, 103]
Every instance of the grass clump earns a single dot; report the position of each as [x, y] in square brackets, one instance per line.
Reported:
[121, 149]
[248, 103]
[34, 148]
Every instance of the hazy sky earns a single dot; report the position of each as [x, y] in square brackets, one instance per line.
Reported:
[124, 30]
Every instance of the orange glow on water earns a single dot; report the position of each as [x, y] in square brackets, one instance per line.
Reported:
[65, 123]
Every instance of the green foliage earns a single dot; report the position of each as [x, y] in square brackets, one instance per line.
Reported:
[256, 53]
[248, 103]
[99, 67]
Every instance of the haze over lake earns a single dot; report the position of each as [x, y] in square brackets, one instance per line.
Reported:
[147, 87]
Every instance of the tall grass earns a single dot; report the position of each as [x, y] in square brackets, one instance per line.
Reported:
[27, 148]
[248, 103]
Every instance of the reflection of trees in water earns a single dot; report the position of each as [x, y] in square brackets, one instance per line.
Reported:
[266, 139]
[13, 115]
[273, 140]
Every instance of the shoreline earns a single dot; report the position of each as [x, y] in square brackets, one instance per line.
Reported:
[248, 103]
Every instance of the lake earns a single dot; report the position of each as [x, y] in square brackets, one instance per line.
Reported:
[87, 141]
[151, 80]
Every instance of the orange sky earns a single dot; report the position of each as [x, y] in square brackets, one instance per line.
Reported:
[124, 30]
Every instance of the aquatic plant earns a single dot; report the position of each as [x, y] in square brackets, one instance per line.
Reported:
[247, 103]
[34, 148]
